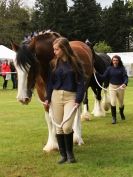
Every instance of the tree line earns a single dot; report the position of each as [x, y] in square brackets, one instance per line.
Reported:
[86, 19]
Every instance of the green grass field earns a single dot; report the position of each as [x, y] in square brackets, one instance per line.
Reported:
[107, 152]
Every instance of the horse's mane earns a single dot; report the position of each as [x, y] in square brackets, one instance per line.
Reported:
[50, 35]
[26, 56]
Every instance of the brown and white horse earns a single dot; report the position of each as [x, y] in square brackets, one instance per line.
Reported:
[32, 65]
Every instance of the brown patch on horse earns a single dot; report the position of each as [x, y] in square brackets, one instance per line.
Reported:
[85, 55]
[40, 87]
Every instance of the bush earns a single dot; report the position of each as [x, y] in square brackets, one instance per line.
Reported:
[102, 47]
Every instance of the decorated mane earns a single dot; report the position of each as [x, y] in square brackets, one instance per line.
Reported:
[26, 57]
[47, 36]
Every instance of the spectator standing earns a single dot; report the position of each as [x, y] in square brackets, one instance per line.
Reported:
[13, 75]
[5, 69]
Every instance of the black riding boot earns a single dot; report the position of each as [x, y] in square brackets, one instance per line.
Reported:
[113, 112]
[69, 147]
[122, 112]
[62, 148]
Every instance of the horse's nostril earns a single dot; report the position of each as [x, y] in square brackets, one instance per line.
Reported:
[27, 99]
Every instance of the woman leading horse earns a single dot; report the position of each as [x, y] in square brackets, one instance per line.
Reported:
[32, 65]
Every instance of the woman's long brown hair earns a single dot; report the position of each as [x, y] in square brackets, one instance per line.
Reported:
[76, 64]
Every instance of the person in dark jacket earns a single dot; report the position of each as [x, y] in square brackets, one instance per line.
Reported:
[65, 91]
[117, 76]
[13, 75]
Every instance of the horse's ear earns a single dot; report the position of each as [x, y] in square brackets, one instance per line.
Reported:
[15, 47]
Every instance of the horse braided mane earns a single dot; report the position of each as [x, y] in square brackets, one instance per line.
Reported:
[26, 57]
[50, 35]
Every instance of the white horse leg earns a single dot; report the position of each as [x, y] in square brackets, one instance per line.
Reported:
[85, 114]
[98, 109]
[52, 142]
[94, 108]
[106, 101]
[77, 128]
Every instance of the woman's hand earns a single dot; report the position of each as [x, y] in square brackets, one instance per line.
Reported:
[94, 70]
[46, 103]
[76, 105]
[123, 86]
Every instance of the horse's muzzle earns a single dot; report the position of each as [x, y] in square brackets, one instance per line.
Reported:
[25, 97]
[24, 100]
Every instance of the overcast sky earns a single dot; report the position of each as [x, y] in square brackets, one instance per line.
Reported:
[102, 2]
[105, 2]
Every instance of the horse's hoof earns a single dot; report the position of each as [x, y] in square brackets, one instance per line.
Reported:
[99, 114]
[79, 142]
[85, 117]
[49, 149]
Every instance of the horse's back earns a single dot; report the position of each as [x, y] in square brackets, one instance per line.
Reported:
[85, 54]
[102, 61]
[106, 58]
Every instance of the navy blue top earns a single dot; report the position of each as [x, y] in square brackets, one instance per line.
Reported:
[115, 75]
[64, 78]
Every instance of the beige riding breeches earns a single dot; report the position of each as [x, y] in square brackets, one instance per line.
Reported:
[116, 94]
[62, 102]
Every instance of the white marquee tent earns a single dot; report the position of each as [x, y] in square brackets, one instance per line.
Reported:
[6, 53]
[127, 59]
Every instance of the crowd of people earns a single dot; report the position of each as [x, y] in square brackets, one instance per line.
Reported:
[8, 72]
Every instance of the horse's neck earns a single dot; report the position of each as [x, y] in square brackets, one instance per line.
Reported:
[41, 80]
[41, 87]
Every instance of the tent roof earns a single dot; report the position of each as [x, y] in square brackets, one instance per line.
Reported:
[6, 53]
[126, 57]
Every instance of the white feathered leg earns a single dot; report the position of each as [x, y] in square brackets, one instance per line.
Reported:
[106, 101]
[52, 142]
[85, 114]
[77, 128]
[98, 109]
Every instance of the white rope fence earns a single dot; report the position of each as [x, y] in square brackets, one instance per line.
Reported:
[8, 72]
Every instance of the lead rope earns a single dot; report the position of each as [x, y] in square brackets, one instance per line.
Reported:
[52, 115]
[103, 87]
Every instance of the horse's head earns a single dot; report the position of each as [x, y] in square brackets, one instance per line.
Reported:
[26, 65]
[32, 60]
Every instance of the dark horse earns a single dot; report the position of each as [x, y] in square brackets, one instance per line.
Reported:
[102, 61]
[32, 65]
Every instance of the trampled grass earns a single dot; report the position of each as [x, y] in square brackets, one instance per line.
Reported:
[107, 152]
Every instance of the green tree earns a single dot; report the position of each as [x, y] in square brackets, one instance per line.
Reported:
[129, 41]
[116, 25]
[14, 22]
[86, 20]
[102, 47]
[50, 14]
[2, 18]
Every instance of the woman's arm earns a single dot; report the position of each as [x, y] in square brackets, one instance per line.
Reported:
[80, 89]
[49, 87]
[125, 76]
[105, 75]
